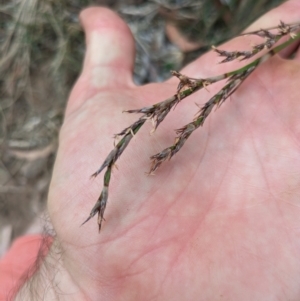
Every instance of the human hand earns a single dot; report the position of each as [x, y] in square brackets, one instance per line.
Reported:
[220, 221]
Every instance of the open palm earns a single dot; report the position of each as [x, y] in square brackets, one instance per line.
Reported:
[219, 221]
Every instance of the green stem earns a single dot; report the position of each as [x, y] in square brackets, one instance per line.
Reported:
[273, 51]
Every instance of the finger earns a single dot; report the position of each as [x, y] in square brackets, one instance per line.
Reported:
[110, 47]
[208, 64]
[109, 57]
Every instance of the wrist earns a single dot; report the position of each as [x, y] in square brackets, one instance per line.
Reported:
[33, 254]
[32, 284]
[20, 263]
[49, 281]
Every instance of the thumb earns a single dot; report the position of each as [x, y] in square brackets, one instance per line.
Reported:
[109, 58]
[110, 46]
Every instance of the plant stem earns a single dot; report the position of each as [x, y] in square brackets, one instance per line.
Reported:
[157, 112]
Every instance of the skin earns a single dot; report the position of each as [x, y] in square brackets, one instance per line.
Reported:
[220, 221]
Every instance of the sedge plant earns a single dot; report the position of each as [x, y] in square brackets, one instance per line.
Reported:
[271, 45]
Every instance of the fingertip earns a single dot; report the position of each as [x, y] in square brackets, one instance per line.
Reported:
[99, 18]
